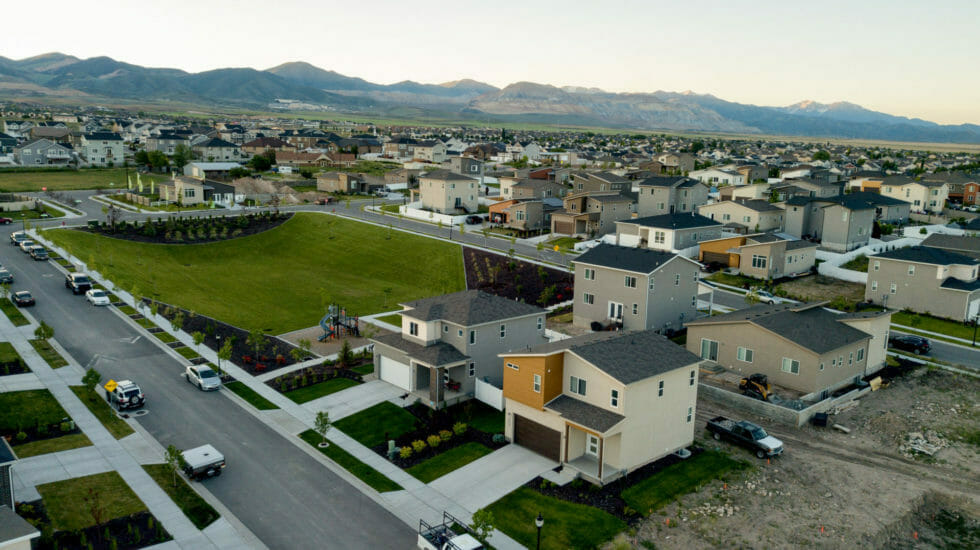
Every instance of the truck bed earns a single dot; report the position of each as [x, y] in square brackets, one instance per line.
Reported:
[726, 424]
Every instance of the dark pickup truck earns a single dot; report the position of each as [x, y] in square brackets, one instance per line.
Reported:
[746, 434]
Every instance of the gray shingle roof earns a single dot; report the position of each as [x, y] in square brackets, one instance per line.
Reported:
[13, 526]
[633, 356]
[447, 175]
[759, 205]
[582, 413]
[468, 307]
[640, 260]
[437, 354]
[953, 283]
[6, 453]
[674, 221]
[927, 255]
[668, 181]
[953, 242]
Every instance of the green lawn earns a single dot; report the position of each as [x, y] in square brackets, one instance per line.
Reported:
[13, 313]
[194, 507]
[733, 280]
[146, 323]
[8, 354]
[390, 208]
[67, 180]
[53, 445]
[164, 337]
[364, 369]
[31, 214]
[394, 319]
[28, 408]
[101, 409]
[274, 270]
[568, 243]
[65, 500]
[187, 352]
[303, 188]
[251, 396]
[369, 426]
[362, 471]
[483, 417]
[678, 479]
[48, 353]
[446, 462]
[566, 524]
[933, 324]
[128, 310]
[857, 264]
[314, 391]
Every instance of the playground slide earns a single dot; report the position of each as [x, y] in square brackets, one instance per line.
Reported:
[327, 326]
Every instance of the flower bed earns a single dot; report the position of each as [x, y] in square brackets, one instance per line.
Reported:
[516, 279]
[126, 533]
[190, 230]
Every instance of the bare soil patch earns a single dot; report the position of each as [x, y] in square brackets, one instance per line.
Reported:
[820, 287]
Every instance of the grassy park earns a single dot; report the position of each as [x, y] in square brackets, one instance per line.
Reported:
[287, 273]
[17, 181]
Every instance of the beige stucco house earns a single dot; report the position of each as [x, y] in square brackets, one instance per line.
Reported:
[927, 280]
[669, 195]
[924, 196]
[447, 192]
[668, 232]
[762, 255]
[183, 189]
[591, 214]
[754, 215]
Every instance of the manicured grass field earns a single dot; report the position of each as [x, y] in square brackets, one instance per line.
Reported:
[53, 445]
[933, 324]
[364, 369]
[568, 243]
[485, 418]
[315, 391]
[194, 507]
[165, 337]
[13, 313]
[101, 409]
[288, 273]
[678, 479]
[67, 180]
[733, 280]
[369, 426]
[251, 396]
[65, 500]
[28, 408]
[128, 310]
[362, 471]
[567, 525]
[446, 462]
[187, 352]
[48, 353]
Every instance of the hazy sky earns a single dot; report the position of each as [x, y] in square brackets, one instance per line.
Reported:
[911, 58]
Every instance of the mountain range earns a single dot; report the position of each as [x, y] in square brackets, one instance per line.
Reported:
[105, 80]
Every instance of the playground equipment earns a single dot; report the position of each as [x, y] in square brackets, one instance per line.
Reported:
[337, 324]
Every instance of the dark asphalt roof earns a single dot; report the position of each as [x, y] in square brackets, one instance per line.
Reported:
[669, 181]
[927, 255]
[796, 245]
[809, 326]
[759, 205]
[103, 136]
[436, 354]
[674, 221]
[765, 238]
[953, 242]
[633, 356]
[447, 175]
[13, 526]
[6, 453]
[216, 142]
[953, 283]
[584, 414]
[468, 307]
[640, 260]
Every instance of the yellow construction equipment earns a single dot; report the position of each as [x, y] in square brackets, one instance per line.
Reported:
[757, 386]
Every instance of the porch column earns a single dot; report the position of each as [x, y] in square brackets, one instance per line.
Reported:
[436, 387]
[567, 431]
[602, 443]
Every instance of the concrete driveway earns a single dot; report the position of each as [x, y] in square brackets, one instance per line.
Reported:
[486, 480]
[354, 400]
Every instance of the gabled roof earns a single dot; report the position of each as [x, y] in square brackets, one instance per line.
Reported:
[953, 242]
[953, 283]
[467, 308]
[584, 414]
[633, 356]
[669, 181]
[927, 255]
[447, 175]
[758, 205]
[673, 221]
[638, 260]
[103, 136]
[439, 353]
[216, 142]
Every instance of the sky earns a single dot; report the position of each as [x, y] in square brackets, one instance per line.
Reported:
[910, 58]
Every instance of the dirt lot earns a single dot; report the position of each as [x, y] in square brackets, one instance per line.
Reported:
[819, 287]
[836, 490]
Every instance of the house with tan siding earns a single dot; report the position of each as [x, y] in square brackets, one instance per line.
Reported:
[753, 215]
[927, 280]
[763, 256]
[668, 232]
[592, 214]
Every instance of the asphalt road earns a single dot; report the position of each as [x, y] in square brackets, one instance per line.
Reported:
[284, 496]
[950, 353]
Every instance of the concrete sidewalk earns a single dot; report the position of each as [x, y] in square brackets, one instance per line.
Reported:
[353, 400]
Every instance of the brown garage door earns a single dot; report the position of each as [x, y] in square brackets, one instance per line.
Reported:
[538, 438]
[715, 257]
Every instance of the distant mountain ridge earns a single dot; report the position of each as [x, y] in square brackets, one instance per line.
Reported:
[103, 78]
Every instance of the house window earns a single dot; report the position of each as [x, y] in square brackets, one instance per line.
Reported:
[747, 219]
[660, 389]
[659, 237]
[588, 298]
[850, 358]
[677, 280]
[759, 261]
[893, 288]
[460, 333]
[537, 383]
[791, 366]
[874, 286]
[629, 282]
[660, 206]
[840, 361]
[694, 301]
[413, 329]
[614, 398]
[709, 349]
[636, 309]
[503, 331]
[472, 337]
[745, 354]
[821, 366]
[589, 274]
[576, 385]
[726, 217]
[860, 356]
[471, 369]
[445, 328]
[690, 381]
[512, 366]
[540, 323]
[651, 284]
[911, 270]
[690, 414]
[189, 193]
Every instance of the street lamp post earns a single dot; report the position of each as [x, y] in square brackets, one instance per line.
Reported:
[976, 318]
[539, 523]
[23, 221]
[217, 337]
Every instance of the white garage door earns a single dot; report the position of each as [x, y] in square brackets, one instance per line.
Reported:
[974, 309]
[396, 372]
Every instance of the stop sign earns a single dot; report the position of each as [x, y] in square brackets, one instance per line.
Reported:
[44, 189]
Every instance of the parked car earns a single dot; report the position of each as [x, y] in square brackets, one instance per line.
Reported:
[124, 394]
[907, 342]
[6, 277]
[97, 297]
[203, 462]
[26, 245]
[79, 283]
[23, 298]
[746, 434]
[203, 377]
[39, 253]
[6, 221]
[18, 236]
[473, 220]
[765, 297]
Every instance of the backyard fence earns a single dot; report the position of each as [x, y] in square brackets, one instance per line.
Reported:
[490, 394]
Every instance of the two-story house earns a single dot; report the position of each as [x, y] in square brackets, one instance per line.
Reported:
[802, 347]
[591, 214]
[467, 166]
[167, 143]
[814, 188]
[754, 215]
[602, 404]
[449, 341]
[531, 189]
[447, 192]
[761, 255]
[217, 150]
[635, 288]
[924, 196]
[676, 163]
[340, 182]
[718, 176]
[667, 232]
[525, 215]
[966, 245]
[102, 148]
[927, 280]
[599, 182]
[670, 194]
[431, 151]
[43, 152]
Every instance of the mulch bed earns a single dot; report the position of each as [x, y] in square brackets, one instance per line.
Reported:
[38, 433]
[430, 422]
[14, 367]
[191, 230]
[125, 533]
[318, 373]
[275, 355]
[516, 279]
[607, 497]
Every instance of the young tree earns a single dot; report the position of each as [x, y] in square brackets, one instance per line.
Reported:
[483, 524]
[178, 321]
[256, 339]
[198, 337]
[95, 507]
[91, 379]
[182, 155]
[224, 354]
[345, 356]
[322, 425]
[486, 235]
[174, 460]
[43, 331]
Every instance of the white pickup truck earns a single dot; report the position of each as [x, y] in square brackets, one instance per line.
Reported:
[203, 462]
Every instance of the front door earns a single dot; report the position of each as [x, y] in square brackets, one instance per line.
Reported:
[615, 311]
[592, 446]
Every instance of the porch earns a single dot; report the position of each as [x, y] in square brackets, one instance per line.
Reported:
[440, 387]
[587, 467]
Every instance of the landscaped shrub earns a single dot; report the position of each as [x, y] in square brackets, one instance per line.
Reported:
[434, 441]
[418, 444]
[405, 452]
[21, 435]
[280, 359]
[65, 426]
[499, 438]
[445, 435]
[459, 428]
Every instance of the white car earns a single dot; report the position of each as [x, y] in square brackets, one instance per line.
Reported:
[97, 297]
[765, 297]
[203, 377]
[26, 245]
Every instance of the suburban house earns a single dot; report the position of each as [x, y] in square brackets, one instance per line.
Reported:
[432, 151]
[447, 192]
[295, 159]
[167, 143]
[448, 342]
[182, 189]
[602, 404]
[753, 172]
[467, 166]
[761, 255]
[526, 215]
[209, 170]
[971, 193]
[217, 150]
[399, 146]
[866, 180]
[511, 188]
[591, 214]
[102, 148]
[600, 182]
[43, 152]
[747, 192]
[260, 145]
[670, 194]
[963, 187]
[634, 288]
[844, 222]
[667, 232]
[804, 347]
[718, 176]
[7, 143]
[753, 214]
[815, 188]
[676, 163]
[960, 244]
[340, 182]
[16, 533]
[927, 280]
[924, 196]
